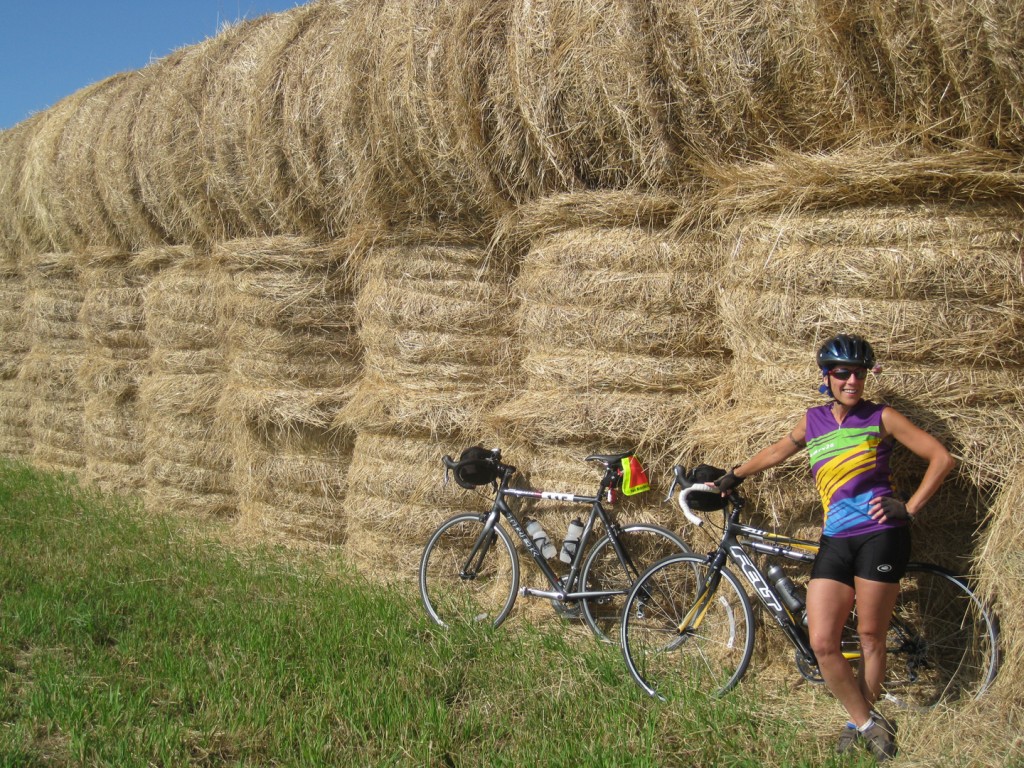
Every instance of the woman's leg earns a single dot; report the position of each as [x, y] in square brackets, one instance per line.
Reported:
[875, 603]
[828, 607]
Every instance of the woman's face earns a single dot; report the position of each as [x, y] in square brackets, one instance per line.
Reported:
[846, 382]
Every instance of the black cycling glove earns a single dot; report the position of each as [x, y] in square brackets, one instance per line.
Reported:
[728, 481]
[894, 509]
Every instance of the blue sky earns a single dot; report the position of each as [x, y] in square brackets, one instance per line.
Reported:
[51, 48]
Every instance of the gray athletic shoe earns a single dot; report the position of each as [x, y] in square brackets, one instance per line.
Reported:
[880, 738]
[847, 738]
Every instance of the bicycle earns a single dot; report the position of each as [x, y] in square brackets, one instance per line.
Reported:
[469, 571]
[689, 618]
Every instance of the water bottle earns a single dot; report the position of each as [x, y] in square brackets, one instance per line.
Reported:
[540, 538]
[786, 588]
[572, 541]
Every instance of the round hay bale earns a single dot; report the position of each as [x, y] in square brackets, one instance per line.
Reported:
[1003, 27]
[13, 143]
[416, 157]
[395, 500]
[15, 423]
[955, 331]
[619, 327]
[48, 378]
[426, 294]
[112, 315]
[583, 85]
[167, 140]
[182, 306]
[292, 484]
[985, 115]
[303, 80]
[937, 288]
[865, 174]
[1000, 569]
[116, 355]
[53, 301]
[831, 82]
[294, 359]
[43, 203]
[13, 331]
[717, 62]
[82, 215]
[186, 445]
[923, 94]
[116, 169]
[227, 122]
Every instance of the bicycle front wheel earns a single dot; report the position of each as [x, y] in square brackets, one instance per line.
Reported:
[467, 576]
[669, 640]
[603, 572]
[943, 643]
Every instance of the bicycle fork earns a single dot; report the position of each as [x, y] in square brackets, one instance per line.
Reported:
[481, 547]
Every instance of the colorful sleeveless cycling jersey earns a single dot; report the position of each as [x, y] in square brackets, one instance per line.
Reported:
[850, 465]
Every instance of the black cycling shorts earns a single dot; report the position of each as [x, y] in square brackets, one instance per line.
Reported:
[881, 556]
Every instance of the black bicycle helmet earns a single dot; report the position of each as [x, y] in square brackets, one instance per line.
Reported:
[845, 349]
[476, 467]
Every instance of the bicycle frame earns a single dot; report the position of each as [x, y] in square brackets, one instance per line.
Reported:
[732, 548]
[501, 509]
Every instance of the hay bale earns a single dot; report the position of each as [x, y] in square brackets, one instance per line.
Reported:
[984, 114]
[297, 81]
[84, 217]
[135, 226]
[48, 373]
[116, 355]
[584, 89]
[314, 84]
[416, 296]
[416, 156]
[15, 434]
[41, 203]
[187, 458]
[167, 141]
[228, 121]
[865, 174]
[618, 325]
[294, 358]
[1003, 27]
[717, 62]
[395, 499]
[12, 157]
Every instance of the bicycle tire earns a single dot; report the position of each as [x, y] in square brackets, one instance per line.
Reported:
[659, 657]
[645, 544]
[487, 595]
[943, 642]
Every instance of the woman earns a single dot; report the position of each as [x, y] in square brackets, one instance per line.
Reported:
[865, 543]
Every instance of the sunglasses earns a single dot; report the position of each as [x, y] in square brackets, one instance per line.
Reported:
[845, 373]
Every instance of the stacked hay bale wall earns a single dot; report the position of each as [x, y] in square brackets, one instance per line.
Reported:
[435, 323]
[882, 138]
[293, 360]
[187, 454]
[49, 372]
[116, 356]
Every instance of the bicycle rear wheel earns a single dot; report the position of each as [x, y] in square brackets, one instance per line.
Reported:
[943, 643]
[458, 588]
[711, 654]
[644, 545]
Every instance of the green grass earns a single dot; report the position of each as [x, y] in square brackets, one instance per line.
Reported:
[132, 641]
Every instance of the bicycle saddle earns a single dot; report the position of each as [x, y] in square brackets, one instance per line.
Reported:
[610, 458]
